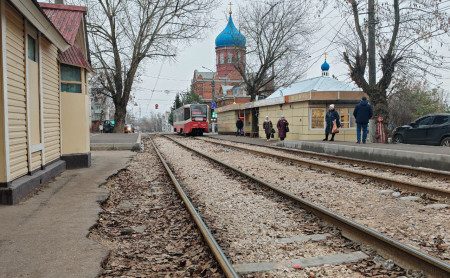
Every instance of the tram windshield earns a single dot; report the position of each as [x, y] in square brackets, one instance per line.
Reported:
[199, 111]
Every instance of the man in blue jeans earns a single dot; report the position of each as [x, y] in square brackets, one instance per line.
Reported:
[362, 113]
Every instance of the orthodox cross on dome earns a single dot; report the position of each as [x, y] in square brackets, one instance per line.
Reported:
[325, 66]
[230, 12]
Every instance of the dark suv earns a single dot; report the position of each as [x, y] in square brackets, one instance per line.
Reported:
[428, 130]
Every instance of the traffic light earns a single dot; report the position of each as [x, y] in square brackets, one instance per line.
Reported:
[156, 106]
[213, 114]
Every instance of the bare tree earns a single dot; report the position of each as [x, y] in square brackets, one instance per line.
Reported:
[277, 33]
[408, 37]
[124, 34]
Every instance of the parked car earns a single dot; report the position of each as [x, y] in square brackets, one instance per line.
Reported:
[129, 128]
[429, 130]
[108, 126]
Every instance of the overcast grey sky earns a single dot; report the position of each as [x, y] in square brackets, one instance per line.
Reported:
[175, 75]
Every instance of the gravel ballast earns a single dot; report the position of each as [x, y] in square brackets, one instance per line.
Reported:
[147, 227]
[247, 220]
[410, 222]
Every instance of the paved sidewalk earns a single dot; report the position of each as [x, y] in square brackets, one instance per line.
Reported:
[46, 235]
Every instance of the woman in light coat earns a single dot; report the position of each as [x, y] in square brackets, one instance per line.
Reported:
[268, 126]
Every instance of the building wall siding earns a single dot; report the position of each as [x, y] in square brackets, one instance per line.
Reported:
[16, 89]
[36, 159]
[51, 101]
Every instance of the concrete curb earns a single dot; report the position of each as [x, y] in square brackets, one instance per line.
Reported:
[117, 146]
[409, 158]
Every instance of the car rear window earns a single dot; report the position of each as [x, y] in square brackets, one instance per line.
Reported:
[439, 120]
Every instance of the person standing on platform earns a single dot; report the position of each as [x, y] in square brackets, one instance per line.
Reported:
[283, 127]
[362, 113]
[331, 116]
[239, 126]
[268, 127]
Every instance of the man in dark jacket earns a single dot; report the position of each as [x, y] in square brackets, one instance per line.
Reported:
[239, 126]
[362, 113]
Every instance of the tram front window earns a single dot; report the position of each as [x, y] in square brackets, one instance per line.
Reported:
[199, 112]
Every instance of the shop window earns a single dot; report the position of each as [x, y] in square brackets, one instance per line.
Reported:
[31, 48]
[347, 119]
[32, 43]
[318, 118]
[71, 79]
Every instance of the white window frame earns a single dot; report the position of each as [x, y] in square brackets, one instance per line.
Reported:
[230, 57]
[350, 115]
[221, 58]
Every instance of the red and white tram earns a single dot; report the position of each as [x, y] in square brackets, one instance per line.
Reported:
[191, 119]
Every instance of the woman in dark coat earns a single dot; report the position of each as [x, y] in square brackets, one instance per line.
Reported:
[281, 126]
[268, 126]
[331, 116]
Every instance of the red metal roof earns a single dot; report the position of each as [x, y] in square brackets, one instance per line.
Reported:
[74, 56]
[67, 20]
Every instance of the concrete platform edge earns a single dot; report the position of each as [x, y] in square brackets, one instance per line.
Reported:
[409, 158]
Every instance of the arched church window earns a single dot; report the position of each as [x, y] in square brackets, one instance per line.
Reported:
[239, 56]
[221, 58]
[230, 57]
[217, 59]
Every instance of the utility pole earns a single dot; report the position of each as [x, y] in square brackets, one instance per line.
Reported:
[372, 62]
[213, 125]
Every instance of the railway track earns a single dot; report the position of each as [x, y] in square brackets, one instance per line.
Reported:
[210, 240]
[403, 254]
[404, 185]
[380, 165]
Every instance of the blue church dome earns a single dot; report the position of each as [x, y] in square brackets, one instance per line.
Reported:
[230, 36]
[325, 66]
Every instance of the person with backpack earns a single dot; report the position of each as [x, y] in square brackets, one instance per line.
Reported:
[362, 113]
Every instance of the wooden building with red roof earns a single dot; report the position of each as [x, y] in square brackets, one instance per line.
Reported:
[44, 99]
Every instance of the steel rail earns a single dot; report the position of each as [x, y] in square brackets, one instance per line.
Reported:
[404, 255]
[405, 185]
[382, 165]
[209, 238]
